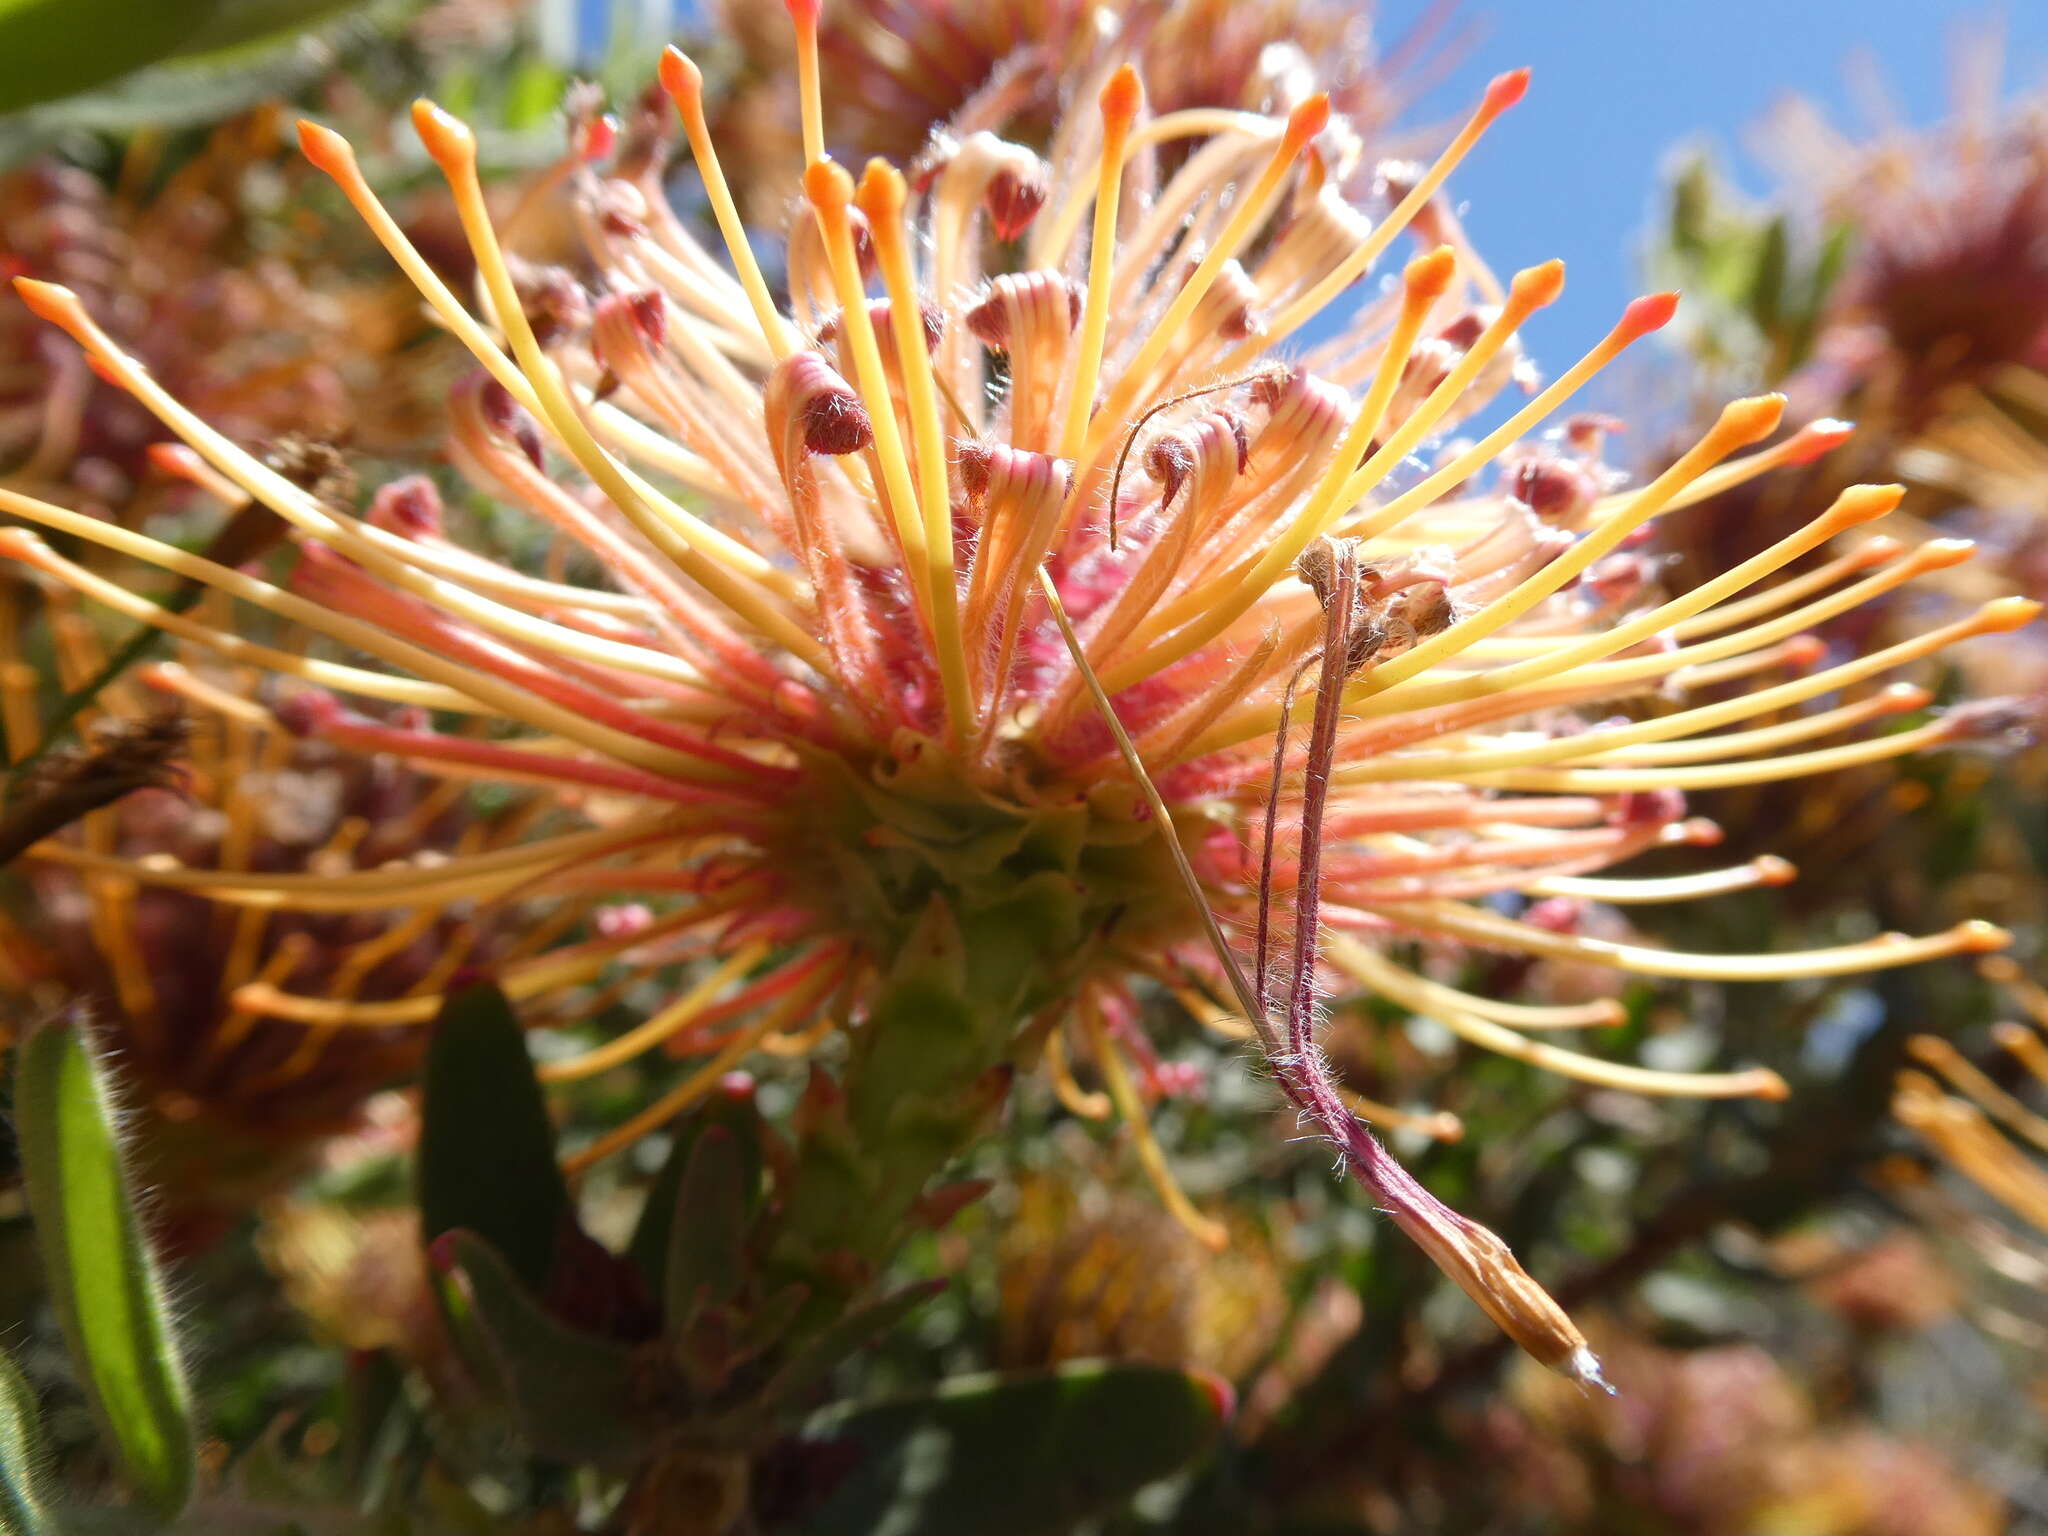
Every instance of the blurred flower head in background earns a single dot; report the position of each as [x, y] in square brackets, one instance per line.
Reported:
[908, 76]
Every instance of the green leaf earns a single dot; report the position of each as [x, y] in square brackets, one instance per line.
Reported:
[735, 1111]
[22, 1456]
[245, 52]
[103, 1279]
[1692, 207]
[574, 1396]
[707, 1239]
[1017, 1455]
[487, 1148]
[51, 48]
[1769, 287]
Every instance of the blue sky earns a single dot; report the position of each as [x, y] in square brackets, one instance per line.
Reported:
[1618, 84]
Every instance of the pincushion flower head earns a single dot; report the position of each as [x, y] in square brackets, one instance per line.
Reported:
[225, 1107]
[908, 75]
[957, 616]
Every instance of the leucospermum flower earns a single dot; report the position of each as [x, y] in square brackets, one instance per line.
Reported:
[1983, 1123]
[227, 1106]
[960, 612]
[903, 71]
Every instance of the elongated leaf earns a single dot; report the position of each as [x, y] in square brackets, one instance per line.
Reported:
[487, 1147]
[1018, 1455]
[22, 1454]
[731, 1108]
[706, 1259]
[103, 1279]
[50, 48]
[574, 1396]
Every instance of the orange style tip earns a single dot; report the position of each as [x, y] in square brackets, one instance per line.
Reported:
[1503, 91]
[1878, 550]
[1652, 312]
[882, 191]
[683, 80]
[1817, 438]
[1978, 937]
[172, 458]
[1863, 504]
[50, 301]
[1429, 276]
[1750, 419]
[828, 186]
[1766, 1084]
[2006, 613]
[804, 13]
[1772, 870]
[1940, 554]
[446, 136]
[1123, 98]
[1534, 287]
[328, 151]
[1804, 650]
[1304, 123]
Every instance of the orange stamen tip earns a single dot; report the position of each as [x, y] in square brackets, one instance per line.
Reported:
[1534, 287]
[1768, 1085]
[1817, 438]
[328, 151]
[1652, 312]
[1878, 550]
[1978, 937]
[1503, 91]
[882, 191]
[1752, 418]
[1305, 122]
[172, 459]
[1772, 870]
[2005, 613]
[1903, 698]
[683, 80]
[1940, 554]
[1804, 650]
[1701, 833]
[1123, 98]
[446, 136]
[49, 301]
[804, 13]
[828, 186]
[1863, 503]
[2000, 968]
[1428, 276]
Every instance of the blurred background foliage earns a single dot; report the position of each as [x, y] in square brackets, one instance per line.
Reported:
[340, 1307]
